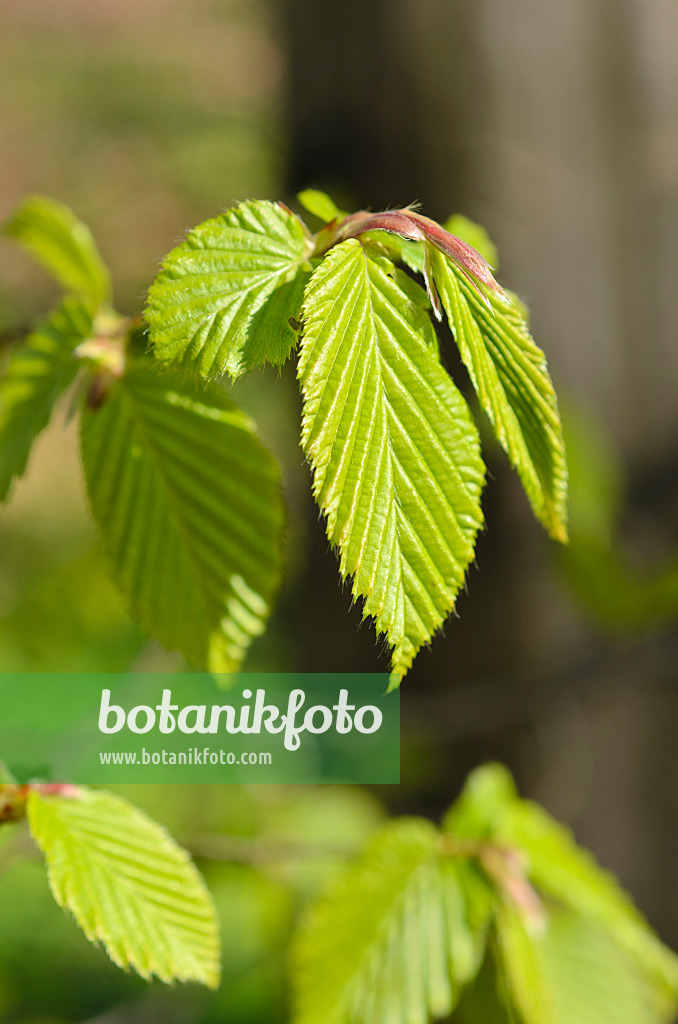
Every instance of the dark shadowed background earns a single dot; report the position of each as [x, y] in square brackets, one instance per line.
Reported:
[556, 126]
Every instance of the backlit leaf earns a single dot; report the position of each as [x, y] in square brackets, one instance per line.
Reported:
[207, 306]
[394, 451]
[128, 885]
[38, 371]
[511, 378]
[54, 236]
[382, 945]
[189, 505]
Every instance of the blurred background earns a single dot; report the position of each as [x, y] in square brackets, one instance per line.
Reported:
[554, 125]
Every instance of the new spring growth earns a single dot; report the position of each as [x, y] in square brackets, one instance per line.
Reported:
[414, 227]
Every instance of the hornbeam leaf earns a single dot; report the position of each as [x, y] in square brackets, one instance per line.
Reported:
[57, 239]
[190, 508]
[592, 979]
[566, 877]
[128, 885]
[527, 987]
[568, 873]
[383, 944]
[395, 454]
[571, 971]
[38, 371]
[320, 205]
[511, 378]
[202, 305]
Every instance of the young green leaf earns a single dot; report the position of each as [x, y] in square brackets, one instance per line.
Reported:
[190, 508]
[485, 998]
[54, 236]
[570, 972]
[569, 874]
[527, 987]
[202, 305]
[394, 451]
[382, 944]
[128, 885]
[592, 979]
[482, 804]
[38, 371]
[320, 205]
[511, 378]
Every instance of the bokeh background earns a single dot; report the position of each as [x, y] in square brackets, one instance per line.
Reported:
[556, 126]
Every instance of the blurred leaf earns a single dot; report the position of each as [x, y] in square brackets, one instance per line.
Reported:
[490, 809]
[511, 378]
[569, 874]
[471, 902]
[488, 791]
[591, 979]
[484, 1000]
[320, 205]
[54, 236]
[190, 508]
[39, 370]
[619, 594]
[572, 973]
[380, 944]
[128, 885]
[527, 987]
[394, 451]
[202, 305]
[596, 478]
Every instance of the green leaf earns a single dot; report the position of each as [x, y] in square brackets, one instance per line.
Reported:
[475, 235]
[382, 944]
[190, 508]
[394, 451]
[511, 378]
[471, 902]
[571, 972]
[128, 885]
[39, 370]
[484, 999]
[527, 987]
[54, 236]
[202, 305]
[566, 875]
[481, 806]
[273, 328]
[569, 874]
[592, 979]
[320, 205]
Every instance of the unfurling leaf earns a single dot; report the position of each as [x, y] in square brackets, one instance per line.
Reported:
[320, 205]
[511, 378]
[128, 885]
[190, 508]
[475, 235]
[392, 940]
[58, 240]
[39, 370]
[394, 451]
[207, 308]
[478, 922]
